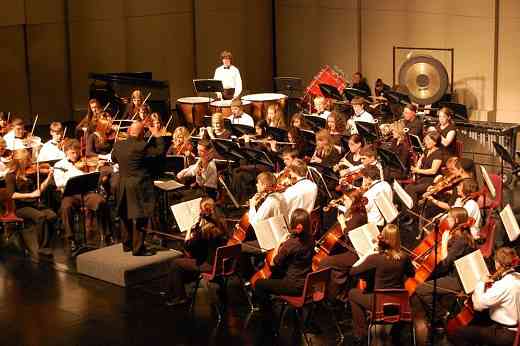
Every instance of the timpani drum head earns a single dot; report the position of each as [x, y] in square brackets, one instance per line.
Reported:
[264, 97]
[195, 99]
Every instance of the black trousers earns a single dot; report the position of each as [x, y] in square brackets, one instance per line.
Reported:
[264, 288]
[416, 190]
[446, 286]
[360, 302]
[93, 201]
[339, 283]
[133, 231]
[183, 271]
[483, 332]
[43, 221]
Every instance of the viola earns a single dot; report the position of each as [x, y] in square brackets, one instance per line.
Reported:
[241, 230]
[328, 243]
[42, 168]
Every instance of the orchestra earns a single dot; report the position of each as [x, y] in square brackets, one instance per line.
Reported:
[324, 182]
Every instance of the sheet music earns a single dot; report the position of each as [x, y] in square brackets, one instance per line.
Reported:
[489, 183]
[403, 195]
[510, 224]
[417, 141]
[270, 232]
[186, 214]
[167, 185]
[386, 207]
[364, 239]
[471, 269]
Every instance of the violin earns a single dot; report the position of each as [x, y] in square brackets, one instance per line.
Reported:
[328, 243]
[41, 168]
[444, 183]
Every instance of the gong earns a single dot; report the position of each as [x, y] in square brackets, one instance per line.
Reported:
[424, 78]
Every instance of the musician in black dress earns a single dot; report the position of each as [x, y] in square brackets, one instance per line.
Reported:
[326, 153]
[351, 215]
[401, 147]
[448, 131]
[201, 244]
[135, 192]
[353, 156]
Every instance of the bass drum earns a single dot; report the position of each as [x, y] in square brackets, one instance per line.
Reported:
[193, 109]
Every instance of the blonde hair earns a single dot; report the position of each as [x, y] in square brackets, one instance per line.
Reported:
[278, 120]
[324, 135]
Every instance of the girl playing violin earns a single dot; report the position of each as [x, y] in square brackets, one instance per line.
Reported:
[181, 145]
[389, 267]
[25, 192]
[326, 154]
[94, 111]
[98, 142]
[501, 298]
[200, 245]
[291, 262]
[353, 156]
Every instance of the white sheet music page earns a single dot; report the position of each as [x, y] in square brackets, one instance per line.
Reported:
[270, 232]
[510, 224]
[489, 183]
[186, 214]
[167, 185]
[386, 207]
[364, 239]
[403, 195]
[471, 269]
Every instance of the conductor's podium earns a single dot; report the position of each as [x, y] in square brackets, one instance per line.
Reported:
[113, 265]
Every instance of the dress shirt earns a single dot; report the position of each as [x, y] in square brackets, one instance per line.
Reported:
[243, 119]
[50, 151]
[230, 78]
[63, 171]
[301, 195]
[363, 117]
[273, 205]
[13, 143]
[502, 299]
[208, 177]
[373, 213]
[323, 115]
[473, 210]
[3, 170]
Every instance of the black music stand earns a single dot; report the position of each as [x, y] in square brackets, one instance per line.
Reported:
[81, 185]
[289, 84]
[367, 130]
[396, 97]
[330, 91]
[350, 93]
[173, 164]
[308, 136]
[416, 144]
[277, 134]
[240, 130]
[316, 122]
[208, 86]
[504, 156]
[390, 159]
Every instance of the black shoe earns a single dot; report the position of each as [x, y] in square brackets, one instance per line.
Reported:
[178, 301]
[143, 253]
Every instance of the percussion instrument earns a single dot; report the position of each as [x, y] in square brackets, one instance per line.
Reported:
[260, 102]
[193, 109]
[224, 107]
[329, 76]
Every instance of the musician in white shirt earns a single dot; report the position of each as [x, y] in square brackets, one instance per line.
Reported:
[50, 150]
[360, 114]
[4, 169]
[320, 103]
[374, 186]
[204, 170]
[302, 194]
[501, 299]
[64, 170]
[230, 77]
[14, 139]
[238, 116]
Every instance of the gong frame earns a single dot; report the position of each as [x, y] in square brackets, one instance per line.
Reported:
[449, 50]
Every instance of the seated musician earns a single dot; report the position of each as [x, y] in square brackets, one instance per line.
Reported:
[23, 188]
[326, 153]
[401, 147]
[200, 246]
[291, 262]
[373, 185]
[238, 116]
[298, 121]
[204, 170]
[52, 150]
[388, 268]
[15, 139]
[456, 242]
[94, 110]
[360, 83]
[302, 194]
[63, 171]
[336, 126]
[283, 178]
[414, 125]
[97, 141]
[5, 157]
[351, 215]
[217, 129]
[321, 106]
[136, 101]
[4, 123]
[143, 113]
[353, 156]
[448, 131]
[360, 114]
[298, 143]
[230, 77]
[275, 117]
[499, 296]
[380, 87]
[427, 166]
[466, 199]
[182, 145]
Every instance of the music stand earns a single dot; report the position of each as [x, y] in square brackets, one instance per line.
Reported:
[277, 134]
[367, 130]
[240, 130]
[308, 136]
[330, 91]
[316, 122]
[289, 84]
[208, 86]
[504, 156]
[416, 143]
[81, 185]
[173, 164]
[396, 97]
[389, 158]
[350, 93]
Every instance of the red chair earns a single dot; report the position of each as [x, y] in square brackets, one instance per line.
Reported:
[224, 265]
[9, 218]
[390, 306]
[486, 201]
[314, 292]
[488, 231]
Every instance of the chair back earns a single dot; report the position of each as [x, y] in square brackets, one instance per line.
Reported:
[459, 148]
[226, 259]
[391, 306]
[486, 201]
[315, 286]
[489, 232]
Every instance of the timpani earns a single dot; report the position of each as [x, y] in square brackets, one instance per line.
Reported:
[193, 109]
[224, 107]
[260, 102]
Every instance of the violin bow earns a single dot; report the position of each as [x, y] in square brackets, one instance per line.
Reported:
[106, 107]
[34, 125]
[144, 102]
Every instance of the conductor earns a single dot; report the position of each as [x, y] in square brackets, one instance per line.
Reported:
[135, 193]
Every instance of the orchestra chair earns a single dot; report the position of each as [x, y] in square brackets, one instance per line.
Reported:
[314, 292]
[459, 148]
[389, 307]
[224, 265]
[488, 231]
[9, 218]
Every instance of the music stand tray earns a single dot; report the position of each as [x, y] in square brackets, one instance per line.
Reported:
[208, 85]
[367, 130]
[290, 84]
[504, 154]
[81, 185]
[389, 158]
[315, 121]
[330, 91]
[240, 130]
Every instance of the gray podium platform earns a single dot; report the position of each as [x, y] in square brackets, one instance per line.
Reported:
[113, 265]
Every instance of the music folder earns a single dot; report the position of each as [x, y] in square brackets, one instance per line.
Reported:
[489, 183]
[510, 223]
[403, 195]
[386, 207]
[471, 269]
[186, 214]
[270, 232]
[364, 240]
